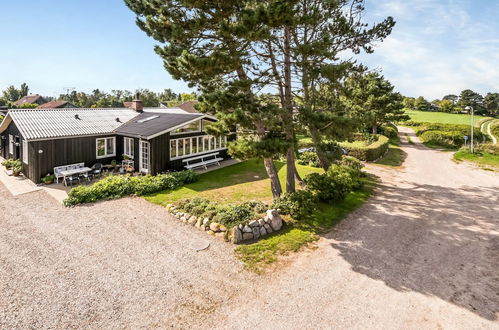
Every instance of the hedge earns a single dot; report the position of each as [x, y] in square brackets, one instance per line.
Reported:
[116, 186]
[371, 152]
[446, 135]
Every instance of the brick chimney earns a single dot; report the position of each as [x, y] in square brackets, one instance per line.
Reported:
[137, 105]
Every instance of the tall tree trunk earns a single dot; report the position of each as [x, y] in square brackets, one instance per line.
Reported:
[321, 154]
[288, 114]
[275, 184]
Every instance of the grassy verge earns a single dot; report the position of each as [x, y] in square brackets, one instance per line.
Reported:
[483, 159]
[394, 157]
[266, 251]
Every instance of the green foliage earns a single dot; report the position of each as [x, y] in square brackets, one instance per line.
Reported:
[298, 204]
[9, 163]
[48, 178]
[445, 135]
[421, 104]
[116, 186]
[370, 152]
[28, 106]
[308, 158]
[373, 100]
[471, 98]
[390, 131]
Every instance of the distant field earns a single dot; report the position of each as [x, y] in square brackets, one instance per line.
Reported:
[442, 117]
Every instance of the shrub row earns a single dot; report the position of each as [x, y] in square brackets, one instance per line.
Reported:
[390, 131]
[116, 186]
[371, 152]
[446, 135]
[229, 215]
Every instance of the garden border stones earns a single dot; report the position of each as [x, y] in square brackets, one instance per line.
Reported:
[253, 230]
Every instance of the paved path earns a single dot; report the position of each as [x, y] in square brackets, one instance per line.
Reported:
[422, 254]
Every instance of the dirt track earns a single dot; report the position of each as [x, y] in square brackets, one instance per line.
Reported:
[422, 254]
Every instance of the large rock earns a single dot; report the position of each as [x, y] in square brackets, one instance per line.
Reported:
[236, 235]
[198, 223]
[263, 232]
[253, 223]
[192, 220]
[267, 228]
[247, 229]
[275, 220]
[215, 226]
[261, 222]
[223, 228]
[206, 221]
[247, 236]
[256, 232]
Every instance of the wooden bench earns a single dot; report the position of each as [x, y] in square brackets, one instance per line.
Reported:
[202, 161]
[59, 169]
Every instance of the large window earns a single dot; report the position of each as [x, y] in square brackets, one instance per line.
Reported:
[106, 147]
[25, 152]
[196, 145]
[192, 127]
[128, 147]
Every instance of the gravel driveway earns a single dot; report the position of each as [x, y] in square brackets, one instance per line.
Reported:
[422, 254]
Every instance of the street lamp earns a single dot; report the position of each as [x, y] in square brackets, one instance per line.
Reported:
[470, 108]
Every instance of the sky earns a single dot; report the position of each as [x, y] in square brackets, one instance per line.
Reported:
[437, 47]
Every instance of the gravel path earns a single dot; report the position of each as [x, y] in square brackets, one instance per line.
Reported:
[422, 254]
[111, 265]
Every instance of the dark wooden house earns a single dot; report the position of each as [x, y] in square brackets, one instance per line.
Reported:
[157, 139]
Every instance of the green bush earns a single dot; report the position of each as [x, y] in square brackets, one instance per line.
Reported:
[488, 148]
[352, 162]
[446, 135]
[370, 152]
[9, 163]
[495, 129]
[309, 158]
[299, 204]
[116, 186]
[390, 131]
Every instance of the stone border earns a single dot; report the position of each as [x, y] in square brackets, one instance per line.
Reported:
[252, 230]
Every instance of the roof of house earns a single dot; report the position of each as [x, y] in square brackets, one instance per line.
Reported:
[37, 124]
[28, 99]
[53, 105]
[153, 123]
[189, 106]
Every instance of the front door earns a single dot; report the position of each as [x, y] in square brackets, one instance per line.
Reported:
[144, 156]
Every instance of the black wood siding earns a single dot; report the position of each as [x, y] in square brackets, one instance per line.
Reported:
[59, 152]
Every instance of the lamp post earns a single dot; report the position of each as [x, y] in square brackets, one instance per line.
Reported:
[472, 126]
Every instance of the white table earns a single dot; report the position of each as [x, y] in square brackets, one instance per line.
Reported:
[74, 171]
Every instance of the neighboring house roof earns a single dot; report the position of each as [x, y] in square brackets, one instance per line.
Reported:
[153, 123]
[55, 105]
[30, 99]
[37, 124]
[189, 106]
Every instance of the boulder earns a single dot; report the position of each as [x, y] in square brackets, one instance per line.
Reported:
[206, 221]
[247, 229]
[247, 236]
[261, 222]
[266, 219]
[223, 228]
[192, 220]
[183, 219]
[256, 232]
[215, 226]
[236, 235]
[263, 232]
[198, 223]
[275, 220]
[253, 223]
[267, 228]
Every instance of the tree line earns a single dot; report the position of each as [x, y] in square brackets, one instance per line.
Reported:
[98, 98]
[487, 105]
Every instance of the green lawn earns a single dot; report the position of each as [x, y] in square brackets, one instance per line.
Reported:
[442, 117]
[484, 159]
[248, 180]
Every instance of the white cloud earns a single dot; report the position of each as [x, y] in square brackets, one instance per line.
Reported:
[437, 48]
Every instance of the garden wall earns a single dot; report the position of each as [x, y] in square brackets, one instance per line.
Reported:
[252, 230]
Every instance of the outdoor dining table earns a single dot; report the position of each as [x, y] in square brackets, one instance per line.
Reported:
[74, 171]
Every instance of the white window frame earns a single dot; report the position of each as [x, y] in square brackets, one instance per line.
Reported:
[131, 148]
[202, 147]
[106, 155]
[11, 144]
[25, 152]
[188, 132]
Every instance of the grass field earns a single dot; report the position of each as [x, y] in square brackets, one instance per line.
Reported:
[248, 181]
[394, 157]
[483, 159]
[442, 117]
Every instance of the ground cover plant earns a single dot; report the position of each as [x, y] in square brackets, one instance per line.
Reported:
[485, 155]
[116, 186]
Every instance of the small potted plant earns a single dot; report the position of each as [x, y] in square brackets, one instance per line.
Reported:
[7, 163]
[126, 157]
[48, 179]
[17, 167]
